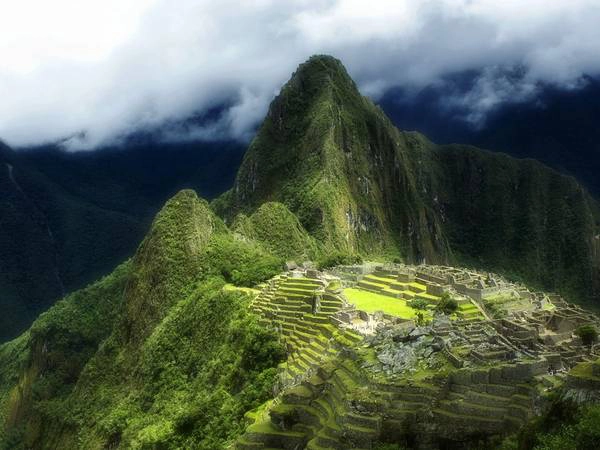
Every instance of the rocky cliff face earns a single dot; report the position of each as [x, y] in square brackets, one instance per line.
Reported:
[520, 218]
[357, 184]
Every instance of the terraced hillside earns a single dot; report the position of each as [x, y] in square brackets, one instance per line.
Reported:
[455, 382]
[300, 309]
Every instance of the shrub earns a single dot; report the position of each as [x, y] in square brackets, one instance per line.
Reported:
[563, 425]
[583, 434]
[420, 319]
[587, 333]
[447, 304]
[241, 263]
[389, 447]
[418, 303]
[337, 259]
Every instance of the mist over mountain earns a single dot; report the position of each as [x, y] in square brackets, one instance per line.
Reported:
[557, 126]
[300, 224]
[90, 82]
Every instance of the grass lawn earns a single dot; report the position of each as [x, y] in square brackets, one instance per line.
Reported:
[585, 370]
[371, 302]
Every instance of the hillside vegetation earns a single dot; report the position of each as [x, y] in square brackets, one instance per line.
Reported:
[70, 218]
[158, 354]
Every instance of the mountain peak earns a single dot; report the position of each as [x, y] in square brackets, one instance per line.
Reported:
[323, 66]
[318, 87]
[359, 185]
[318, 76]
[179, 234]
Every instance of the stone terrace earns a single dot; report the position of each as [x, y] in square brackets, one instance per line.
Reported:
[300, 307]
[469, 377]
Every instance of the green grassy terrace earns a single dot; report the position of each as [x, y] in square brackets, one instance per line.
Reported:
[371, 302]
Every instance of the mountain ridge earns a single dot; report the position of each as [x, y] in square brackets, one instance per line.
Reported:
[97, 207]
[357, 184]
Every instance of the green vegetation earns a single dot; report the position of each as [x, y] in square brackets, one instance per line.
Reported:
[585, 370]
[389, 447]
[563, 426]
[371, 302]
[359, 186]
[59, 345]
[498, 305]
[337, 259]
[588, 334]
[160, 354]
[275, 227]
[240, 262]
[164, 353]
[92, 229]
[418, 303]
[447, 304]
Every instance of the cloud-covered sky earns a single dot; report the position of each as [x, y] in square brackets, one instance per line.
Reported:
[87, 72]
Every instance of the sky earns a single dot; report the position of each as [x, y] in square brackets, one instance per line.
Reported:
[87, 73]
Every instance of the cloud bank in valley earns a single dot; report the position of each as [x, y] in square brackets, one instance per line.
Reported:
[88, 73]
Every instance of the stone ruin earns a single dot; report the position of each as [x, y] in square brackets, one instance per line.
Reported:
[353, 378]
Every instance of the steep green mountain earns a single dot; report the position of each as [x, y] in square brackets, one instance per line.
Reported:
[69, 218]
[275, 227]
[357, 184]
[160, 354]
[323, 152]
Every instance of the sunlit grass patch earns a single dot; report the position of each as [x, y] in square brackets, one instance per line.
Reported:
[371, 302]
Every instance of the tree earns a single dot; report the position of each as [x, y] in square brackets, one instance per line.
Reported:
[418, 303]
[447, 304]
[588, 334]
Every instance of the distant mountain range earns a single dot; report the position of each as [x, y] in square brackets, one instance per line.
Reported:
[557, 126]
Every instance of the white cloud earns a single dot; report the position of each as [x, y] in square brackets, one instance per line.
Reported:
[92, 71]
